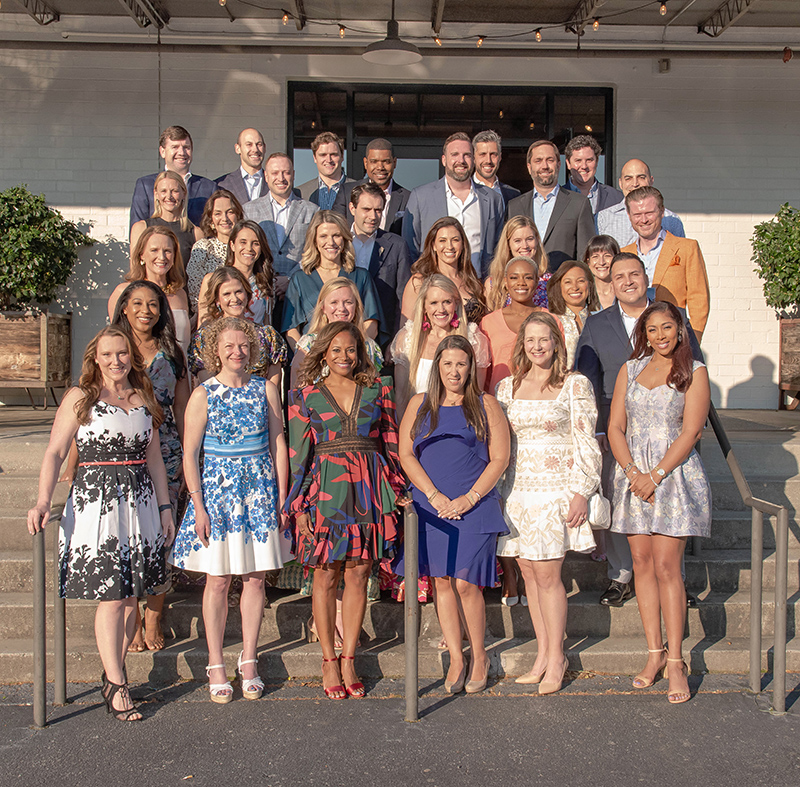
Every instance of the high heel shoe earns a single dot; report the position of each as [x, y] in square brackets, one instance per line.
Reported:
[641, 682]
[312, 636]
[110, 690]
[457, 685]
[552, 688]
[337, 692]
[677, 697]
[475, 686]
[354, 690]
[531, 677]
[221, 693]
[509, 601]
[252, 688]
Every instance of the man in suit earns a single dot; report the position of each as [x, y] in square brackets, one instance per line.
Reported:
[675, 266]
[564, 219]
[175, 147]
[384, 254]
[488, 149]
[328, 151]
[248, 182]
[379, 164]
[283, 217]
[478, 208]
[603, 349]
[614, 221]
[582, 155]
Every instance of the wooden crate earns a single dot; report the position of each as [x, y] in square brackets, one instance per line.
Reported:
[789, 364]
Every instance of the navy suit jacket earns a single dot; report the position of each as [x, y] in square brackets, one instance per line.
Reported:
[607, 196]
[395, 208]
[428, 203]
[603, 349]
[234, 182]
[508, 192]
[200, 189]
[390, 269]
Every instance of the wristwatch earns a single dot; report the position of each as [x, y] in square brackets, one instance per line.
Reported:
[659, 471]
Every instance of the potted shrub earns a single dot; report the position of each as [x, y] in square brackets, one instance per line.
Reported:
[38, 250]
[776, 253]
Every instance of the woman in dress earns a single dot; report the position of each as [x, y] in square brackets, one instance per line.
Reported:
[118, 519]
[221, 213]
[572, 297]
[661, 492]
[338, 300]
[170, 201]
[438, 312]
[144, 314]
[228, 294]
[554, 468]
[454, 446]
[328, 254]
[446, 251]
[156, 258]
[519, 238]
[346, 485]
[249, 254]
[231, 523]
[600, 250]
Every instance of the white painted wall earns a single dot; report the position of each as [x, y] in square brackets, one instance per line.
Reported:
[719, 135]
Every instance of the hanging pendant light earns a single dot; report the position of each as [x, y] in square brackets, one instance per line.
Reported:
[392, 51]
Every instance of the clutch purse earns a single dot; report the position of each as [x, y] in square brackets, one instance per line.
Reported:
[599, 515]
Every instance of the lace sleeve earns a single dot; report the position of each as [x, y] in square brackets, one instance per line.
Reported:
[400, 348]
[480, 344]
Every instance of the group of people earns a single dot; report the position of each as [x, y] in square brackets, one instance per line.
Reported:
[484, 356]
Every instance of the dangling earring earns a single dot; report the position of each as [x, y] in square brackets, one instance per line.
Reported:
[426, 326]
[648, 343]
[680, 336]
[455, 322]
[325, 371]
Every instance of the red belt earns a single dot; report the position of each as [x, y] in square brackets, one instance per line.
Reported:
[124, 462]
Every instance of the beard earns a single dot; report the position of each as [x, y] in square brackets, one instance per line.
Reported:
[459, 177]
[545, 180]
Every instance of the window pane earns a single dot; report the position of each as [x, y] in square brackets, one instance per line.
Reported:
[315, 112]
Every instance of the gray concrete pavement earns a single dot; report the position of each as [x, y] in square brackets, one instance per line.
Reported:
[597, 731]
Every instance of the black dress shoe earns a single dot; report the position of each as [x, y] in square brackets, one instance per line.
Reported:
[691, 601]
[617, 594]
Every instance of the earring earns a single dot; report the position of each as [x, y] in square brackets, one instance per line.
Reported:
[326, 370]
[680, 336]
[455, 322]
[426, 326]
[648, 343]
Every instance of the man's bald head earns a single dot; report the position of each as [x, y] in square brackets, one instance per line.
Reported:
[250, 149]
[634, 174]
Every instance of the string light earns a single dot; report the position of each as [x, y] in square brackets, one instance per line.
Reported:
[588, 128]
[437, 40]
[596, 25]
[391, 99]
[341, 31]
[285, 19]
[223, 3]
[463, 98]
[531, 126]
[663, 9]
[500, 114]
[479, 42]
[539, 35]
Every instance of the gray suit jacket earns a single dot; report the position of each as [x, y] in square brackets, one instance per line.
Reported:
[570, 228]
[234, 182]
[429, 202]
[602, 350]
[395, 210]
[309, 190]
[285, 256]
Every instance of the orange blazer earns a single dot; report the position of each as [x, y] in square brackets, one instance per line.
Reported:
[680, 278]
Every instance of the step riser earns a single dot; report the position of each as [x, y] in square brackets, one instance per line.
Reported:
[725, 496]
[755, 458]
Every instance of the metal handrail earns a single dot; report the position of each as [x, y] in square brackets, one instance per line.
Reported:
[781, 513]
[411, 609]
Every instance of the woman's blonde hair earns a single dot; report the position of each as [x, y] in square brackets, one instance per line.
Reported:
[176, 276]
[418, 335]
[521, 364]
[91, 379]
[503, 255]
[215, 329]
[311, 257]
[186, 225]
[318, 319]
[218, 277]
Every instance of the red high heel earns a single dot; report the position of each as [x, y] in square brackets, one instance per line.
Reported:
[354, 690]
[334, 692]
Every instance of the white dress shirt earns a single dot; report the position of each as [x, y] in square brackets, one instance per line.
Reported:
[469, 214]
[281, 216]
[252, 183]
[388, 193]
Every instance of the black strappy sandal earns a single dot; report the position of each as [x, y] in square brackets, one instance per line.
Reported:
[110, 690]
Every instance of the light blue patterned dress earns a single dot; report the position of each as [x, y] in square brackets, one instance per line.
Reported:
[682, 504]
[239, 489]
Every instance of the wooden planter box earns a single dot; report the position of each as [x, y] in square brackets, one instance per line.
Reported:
[789, 364]
[35, 351]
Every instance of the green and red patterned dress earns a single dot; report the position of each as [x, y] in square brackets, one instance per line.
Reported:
[345, 473]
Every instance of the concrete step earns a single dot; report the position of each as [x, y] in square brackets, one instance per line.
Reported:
[284, 659]
[758, 453]
[19, 490]
[718, 615]
[14, 535]
[725, 496]
[732, 530]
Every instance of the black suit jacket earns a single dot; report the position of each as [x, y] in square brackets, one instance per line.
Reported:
[397, 204]
[603, 349]
[569, 230]
[234, 182]
[390, 269]
[200, 189]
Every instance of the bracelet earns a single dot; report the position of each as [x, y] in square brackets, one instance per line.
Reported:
[627, 467]
[469, 498]
[165, 507]
[196, 492]
[432, 496]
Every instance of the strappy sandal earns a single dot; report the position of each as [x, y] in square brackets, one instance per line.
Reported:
[641, 682]
[110, 690]
[252, 688]
[354, 690]
[221, 693]
[334, 692]
[678, 697]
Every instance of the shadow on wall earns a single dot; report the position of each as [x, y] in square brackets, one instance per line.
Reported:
[742, 395]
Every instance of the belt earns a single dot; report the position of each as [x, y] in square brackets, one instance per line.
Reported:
[340, 445]
[125, 462]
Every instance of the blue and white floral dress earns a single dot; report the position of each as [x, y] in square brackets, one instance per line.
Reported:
[239, 488]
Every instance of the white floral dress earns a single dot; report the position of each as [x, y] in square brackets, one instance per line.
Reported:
[554, 455]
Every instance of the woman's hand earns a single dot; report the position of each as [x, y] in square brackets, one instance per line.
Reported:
[403, 500]
[456, 507]
[643, 487]
[303, 522]
[578, 511]
[202, 524]
[168, 527]
[443, 505]
[38, 517]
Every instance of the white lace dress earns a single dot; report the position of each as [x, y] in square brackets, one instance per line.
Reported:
[554, 455]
